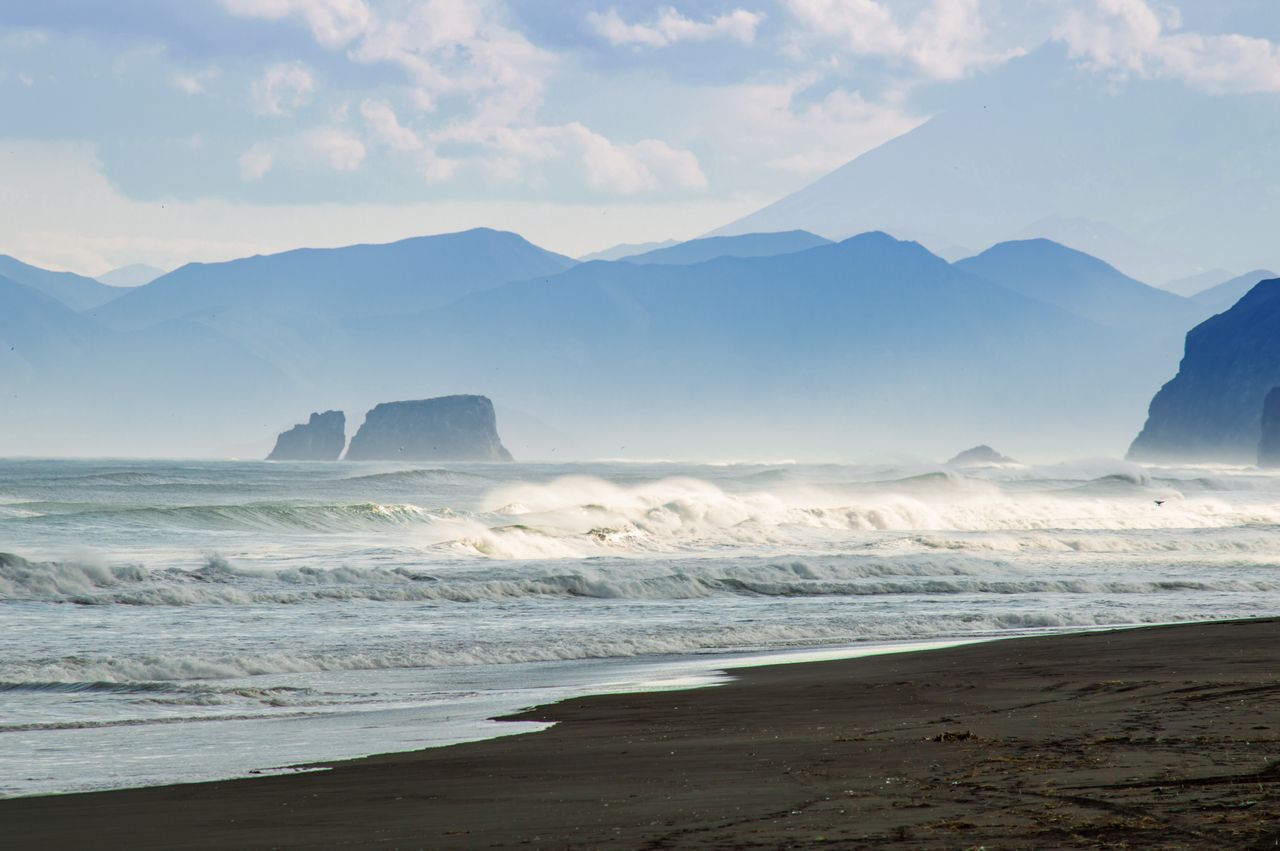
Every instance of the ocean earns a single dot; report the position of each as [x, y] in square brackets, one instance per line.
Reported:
[165, 621]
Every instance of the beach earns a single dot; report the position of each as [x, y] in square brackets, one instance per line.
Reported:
[1159, 737]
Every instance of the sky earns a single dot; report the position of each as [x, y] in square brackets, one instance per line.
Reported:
[161, 132]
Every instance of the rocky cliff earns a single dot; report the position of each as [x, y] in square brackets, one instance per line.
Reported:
[447, 428]
[321, 438]
[1212, 409]
[1269, 445]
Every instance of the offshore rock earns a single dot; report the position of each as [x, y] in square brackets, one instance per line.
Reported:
[979, 456]
[447, 428]
[1269, 445]
[321, 438]
[1212, 409]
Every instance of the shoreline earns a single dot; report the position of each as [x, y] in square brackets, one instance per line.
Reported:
[1160, 737]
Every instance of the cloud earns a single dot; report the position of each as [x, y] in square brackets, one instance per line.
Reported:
[1132, 36]
[774, 125]
[256, 162]
[334, 23]
[671, 27]
[192, 83]
[646, 166]
[105, 228]
[946, 40]
[337, 148]
[387, 127]
[282, 88]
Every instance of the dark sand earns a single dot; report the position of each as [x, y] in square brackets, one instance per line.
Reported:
[1166, 737]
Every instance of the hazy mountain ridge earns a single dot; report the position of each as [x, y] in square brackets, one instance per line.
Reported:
[338, 283]
[75, 291]
[744, 245]
[1222, 296]
[1041, 138]
[866, 345]
[1081, 284]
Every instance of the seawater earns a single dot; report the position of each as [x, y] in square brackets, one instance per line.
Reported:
[165, 621]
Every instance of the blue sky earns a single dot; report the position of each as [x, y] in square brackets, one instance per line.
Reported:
[154, 131]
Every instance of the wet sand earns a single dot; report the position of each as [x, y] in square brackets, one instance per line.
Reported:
[1165, 737]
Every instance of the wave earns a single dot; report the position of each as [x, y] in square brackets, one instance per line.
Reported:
[249, 516]
[222, 584]
[178, 667]
[420, 477]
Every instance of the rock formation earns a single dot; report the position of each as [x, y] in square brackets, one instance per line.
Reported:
[978, 456]
[1269, 445]
[321, 438]
[447, 428]
[1212, 409]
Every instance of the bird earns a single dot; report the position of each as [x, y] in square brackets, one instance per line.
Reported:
[1159, 502]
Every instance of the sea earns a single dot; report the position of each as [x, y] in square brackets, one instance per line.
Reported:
[166, 621]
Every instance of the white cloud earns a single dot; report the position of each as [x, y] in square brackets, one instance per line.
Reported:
[334, 23]
[945, 40]
[282, 88]
[646, 166]
[105, 229]
[671, 26]
[256, 162]
[337, 148]
[386, 125]
[1132, 36]
[193, 83]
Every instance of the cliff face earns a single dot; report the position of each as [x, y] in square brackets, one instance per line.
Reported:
[1269, 445]
[321, 438]
[1212, 409]
[447, 428]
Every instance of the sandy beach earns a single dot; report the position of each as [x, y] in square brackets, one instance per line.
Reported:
[1163, 737]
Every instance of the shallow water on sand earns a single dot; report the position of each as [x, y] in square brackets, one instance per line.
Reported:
[170, 621]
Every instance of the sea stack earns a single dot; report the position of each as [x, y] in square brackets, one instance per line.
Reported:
[1269, 445]
[446, 428]
[320, 438]
[979, 456]
[1212, 409]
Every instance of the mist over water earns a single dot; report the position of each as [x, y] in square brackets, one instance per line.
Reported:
[170, 620]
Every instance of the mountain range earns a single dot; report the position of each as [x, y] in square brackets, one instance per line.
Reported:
[1158, 179]
[871, 345]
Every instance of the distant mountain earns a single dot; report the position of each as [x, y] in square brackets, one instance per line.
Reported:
[1186, 173]
[626, 249]
[133, 275]
[1218, 298]
[338, 283]
[1212, 409]
[746, 245]
[1083, 285]
[868, 345]
[1199, 282]
[1121, 250]
[74, 291]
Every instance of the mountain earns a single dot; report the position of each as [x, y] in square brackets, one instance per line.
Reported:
[1199, 282]
[848, 349]
[1120, 249]
[746, 245]
[1220, 297]
[338, 283]
[1212, 409]
[75, 387]
[133, 275]
[1083, 285]
[625, 249]
[74, 291]
[1186, 173]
